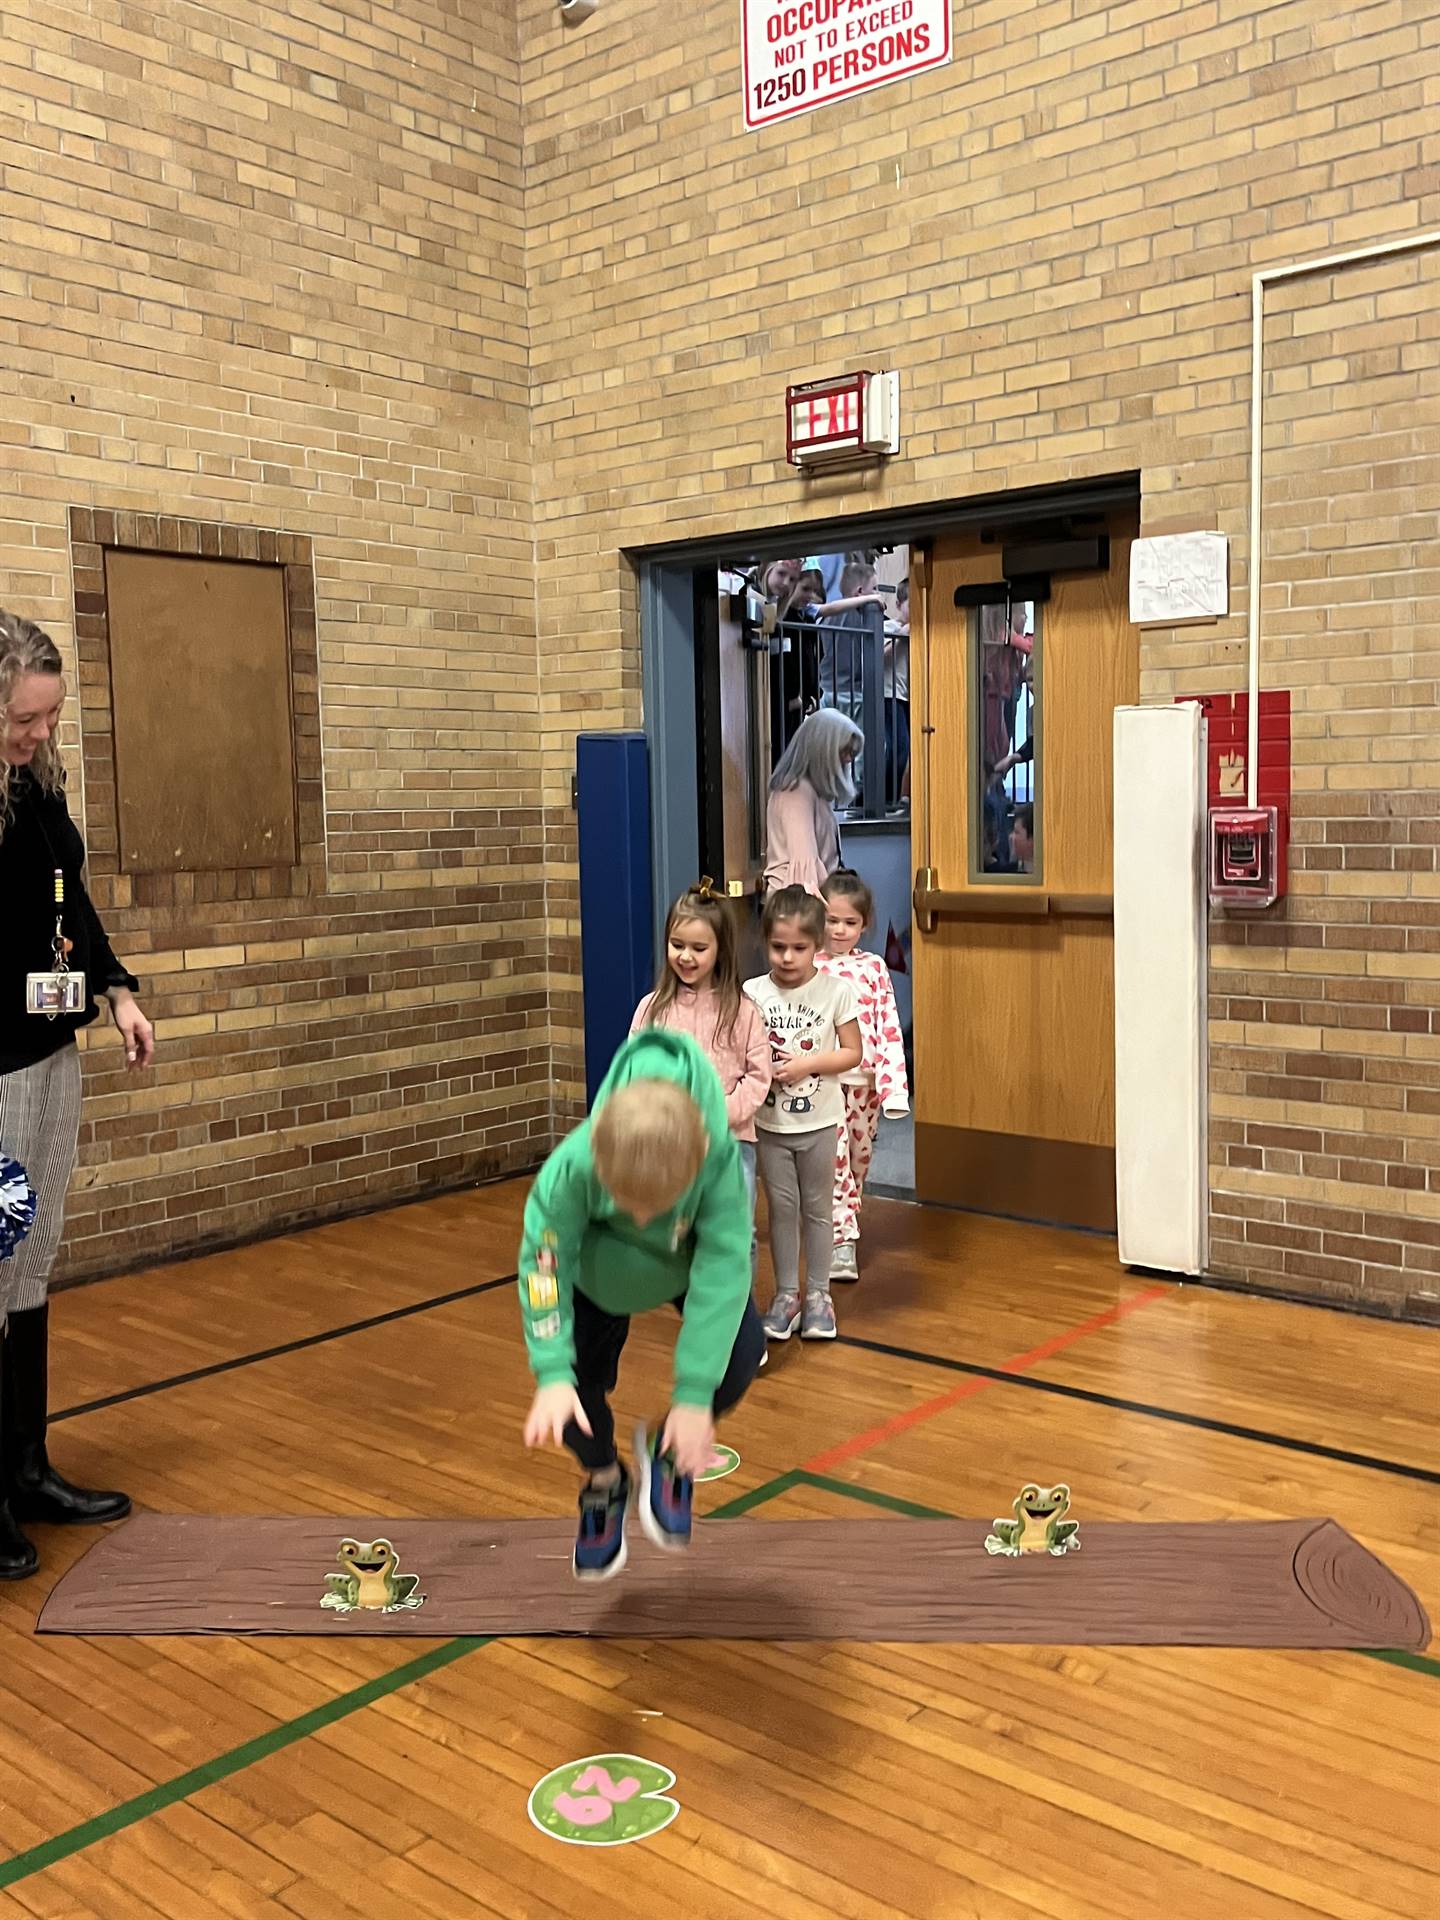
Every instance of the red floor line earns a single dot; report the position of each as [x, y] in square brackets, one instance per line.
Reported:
[927, 1410]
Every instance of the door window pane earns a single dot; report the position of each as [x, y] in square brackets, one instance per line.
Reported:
[1005, 659]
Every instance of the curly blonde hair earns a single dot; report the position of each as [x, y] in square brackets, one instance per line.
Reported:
[24, 649]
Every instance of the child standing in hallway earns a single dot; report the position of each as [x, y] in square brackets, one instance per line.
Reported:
[699, 993]
[879, 1085]
[814, 1038]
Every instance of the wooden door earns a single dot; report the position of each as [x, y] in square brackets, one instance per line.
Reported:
[1014, 979]
[734, 739]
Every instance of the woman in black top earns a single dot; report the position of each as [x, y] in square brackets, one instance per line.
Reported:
[40, 1068]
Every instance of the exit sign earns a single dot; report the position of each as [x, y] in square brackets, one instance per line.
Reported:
[847, 417]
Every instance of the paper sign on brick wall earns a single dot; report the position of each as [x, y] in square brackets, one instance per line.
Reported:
[800, 54]
[1179, 576]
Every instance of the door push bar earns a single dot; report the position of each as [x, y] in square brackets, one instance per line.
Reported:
[931, 900]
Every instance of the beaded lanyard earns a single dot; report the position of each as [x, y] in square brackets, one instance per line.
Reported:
[60, 947]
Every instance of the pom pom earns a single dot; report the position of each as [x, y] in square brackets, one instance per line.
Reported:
[17, 1206]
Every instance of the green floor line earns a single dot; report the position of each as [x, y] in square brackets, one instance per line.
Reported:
[757, 1497]
[50, 1852]
[1399, 1657]
[63, 1846]
[891, 1502]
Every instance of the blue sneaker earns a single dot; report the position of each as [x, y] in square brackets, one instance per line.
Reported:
[666, 1497]
[600, 1543]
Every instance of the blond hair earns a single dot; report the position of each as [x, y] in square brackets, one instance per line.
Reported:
[26, 649]
[649, 1143]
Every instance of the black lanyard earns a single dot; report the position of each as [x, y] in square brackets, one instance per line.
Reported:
[59, 946]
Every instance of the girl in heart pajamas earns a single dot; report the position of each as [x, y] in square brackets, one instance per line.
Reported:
[879, 1085]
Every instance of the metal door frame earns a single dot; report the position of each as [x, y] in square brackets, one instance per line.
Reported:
[669, 641]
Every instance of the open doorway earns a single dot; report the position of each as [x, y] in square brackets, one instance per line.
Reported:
[784, 634]
[982, 816]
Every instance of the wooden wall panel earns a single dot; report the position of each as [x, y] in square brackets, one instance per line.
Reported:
[201, 698]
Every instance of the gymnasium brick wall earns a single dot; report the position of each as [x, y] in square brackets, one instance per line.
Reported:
[1052, 240]
[474, 308]
[266, 268]
[1325, 1036]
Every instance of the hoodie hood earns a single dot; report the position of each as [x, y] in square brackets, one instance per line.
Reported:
[658, 1054]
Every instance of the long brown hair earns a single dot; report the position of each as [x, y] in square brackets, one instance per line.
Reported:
[24, 649]
[700, 903]
[846, 884]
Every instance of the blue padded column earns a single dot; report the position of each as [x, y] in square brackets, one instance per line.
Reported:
[617, 940]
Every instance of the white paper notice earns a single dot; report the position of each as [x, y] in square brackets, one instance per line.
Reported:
[800, 54]
[1180, 576]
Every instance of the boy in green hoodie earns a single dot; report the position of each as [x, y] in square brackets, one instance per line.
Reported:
[644, 1205]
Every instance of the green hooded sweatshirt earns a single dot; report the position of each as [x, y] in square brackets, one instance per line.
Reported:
[577, 1238]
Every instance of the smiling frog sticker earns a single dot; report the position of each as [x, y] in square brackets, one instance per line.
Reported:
[371, 1581]
[1039, 1525]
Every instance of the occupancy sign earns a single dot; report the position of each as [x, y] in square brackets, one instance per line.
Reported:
[801, 54]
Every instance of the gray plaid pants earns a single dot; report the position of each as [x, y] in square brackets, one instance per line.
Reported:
[39, 1127]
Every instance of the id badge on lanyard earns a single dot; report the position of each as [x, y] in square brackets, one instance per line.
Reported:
[58, 991]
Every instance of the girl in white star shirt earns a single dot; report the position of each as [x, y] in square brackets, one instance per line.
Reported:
[814, 1039]
[879, 1085]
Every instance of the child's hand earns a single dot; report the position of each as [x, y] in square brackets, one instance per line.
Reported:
[690, 1435]
[790, 1072]
[551, 1411]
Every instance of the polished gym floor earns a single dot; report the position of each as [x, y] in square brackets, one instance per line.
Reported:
[376, 1365]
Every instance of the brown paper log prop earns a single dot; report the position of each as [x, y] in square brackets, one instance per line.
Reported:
[1282, 1583]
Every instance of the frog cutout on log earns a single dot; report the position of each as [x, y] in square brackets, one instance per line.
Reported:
[1039, 1525]
[371, 1581]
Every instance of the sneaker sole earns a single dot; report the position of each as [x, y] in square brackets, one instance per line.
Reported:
[592, 1574]
[818, 1333]
[775, 1333]
[654, 1532]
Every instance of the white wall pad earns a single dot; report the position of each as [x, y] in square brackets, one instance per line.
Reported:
[1162, 1193]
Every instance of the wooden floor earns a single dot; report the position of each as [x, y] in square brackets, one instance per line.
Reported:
[358, 1780]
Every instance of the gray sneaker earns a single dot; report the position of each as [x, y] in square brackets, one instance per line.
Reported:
[819, 1320]
[845, 1262]
[782, 1316]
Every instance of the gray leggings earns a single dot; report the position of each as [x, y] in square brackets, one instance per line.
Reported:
[799, 1174]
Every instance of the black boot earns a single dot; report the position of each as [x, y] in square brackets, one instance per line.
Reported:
[35, 1490]
[18, 1559]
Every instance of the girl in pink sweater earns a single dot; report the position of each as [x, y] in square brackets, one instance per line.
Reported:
[699, 993]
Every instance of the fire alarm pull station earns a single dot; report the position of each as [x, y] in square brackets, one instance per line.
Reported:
[1244, 866]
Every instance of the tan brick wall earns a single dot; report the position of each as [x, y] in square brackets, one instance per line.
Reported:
[1052, 240]
[429, 290]
[266, 267]
[1325, 1040]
